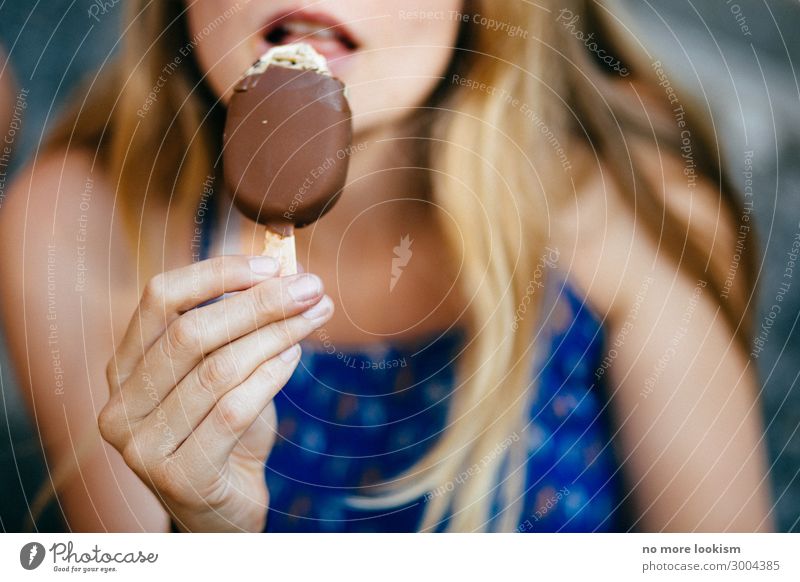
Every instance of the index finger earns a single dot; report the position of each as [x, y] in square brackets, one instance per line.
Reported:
[167, 295]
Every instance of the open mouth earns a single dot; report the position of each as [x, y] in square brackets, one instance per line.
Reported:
[327, 36]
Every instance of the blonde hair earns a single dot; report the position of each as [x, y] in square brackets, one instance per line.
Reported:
[496, 178]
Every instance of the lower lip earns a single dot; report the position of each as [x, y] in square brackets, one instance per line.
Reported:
[338, 56]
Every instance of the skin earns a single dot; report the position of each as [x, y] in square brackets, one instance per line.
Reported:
[395, 48]
[693, 448]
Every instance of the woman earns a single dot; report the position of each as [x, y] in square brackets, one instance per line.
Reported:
[532, 327]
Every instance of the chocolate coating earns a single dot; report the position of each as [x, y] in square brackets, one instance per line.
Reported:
[287, 145]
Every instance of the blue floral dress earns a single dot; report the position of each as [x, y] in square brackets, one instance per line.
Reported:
[349, 419]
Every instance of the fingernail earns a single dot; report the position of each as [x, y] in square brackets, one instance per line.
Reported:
[264, 265]
[318, 311]
[291, 354]
[305, 288]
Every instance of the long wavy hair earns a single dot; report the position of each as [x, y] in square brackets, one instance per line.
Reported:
[499, 163]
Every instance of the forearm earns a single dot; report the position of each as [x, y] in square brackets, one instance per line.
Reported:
[104, 495]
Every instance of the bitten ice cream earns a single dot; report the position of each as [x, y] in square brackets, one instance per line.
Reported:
[287, 143]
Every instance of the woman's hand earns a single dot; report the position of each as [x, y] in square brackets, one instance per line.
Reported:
[191, 387]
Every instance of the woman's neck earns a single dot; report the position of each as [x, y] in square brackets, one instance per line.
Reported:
[379, 250]
[384, 168]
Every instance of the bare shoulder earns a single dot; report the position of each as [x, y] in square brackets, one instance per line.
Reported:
[682, 392]
[56, 182]
[67, 295]
[59, 236]
[614, 260]
[61, 204]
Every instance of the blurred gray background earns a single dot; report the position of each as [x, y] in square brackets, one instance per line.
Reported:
[739, 56]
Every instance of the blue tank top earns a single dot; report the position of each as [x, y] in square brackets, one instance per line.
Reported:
[350, 419]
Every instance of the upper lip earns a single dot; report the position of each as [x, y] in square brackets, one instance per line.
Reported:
[326, 21]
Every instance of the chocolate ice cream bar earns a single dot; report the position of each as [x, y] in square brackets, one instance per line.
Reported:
[287, 140]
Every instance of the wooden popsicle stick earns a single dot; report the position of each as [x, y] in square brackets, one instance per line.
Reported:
[281, 246]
